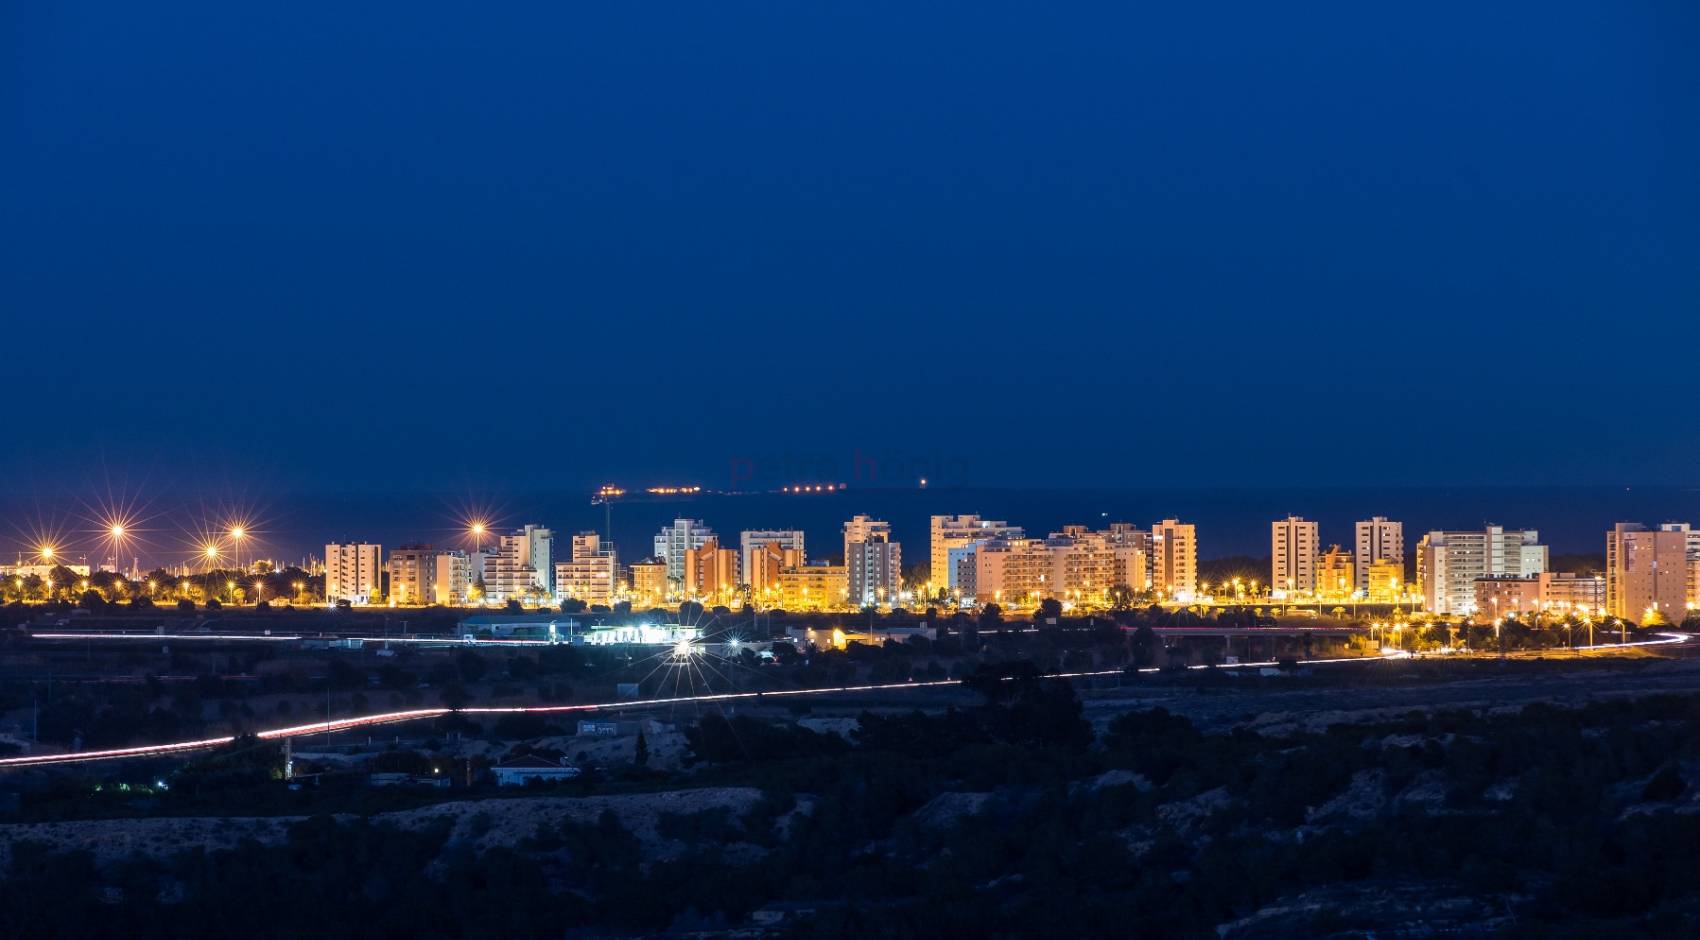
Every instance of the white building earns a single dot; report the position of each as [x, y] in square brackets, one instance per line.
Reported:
[354, 572]
[1448, 564]
[1174, 560]
[518, 771]
[764, 555]
[673, 541]
[521, 565]
[1292, 555]
[875, 573]
[1378, 540]
[950, 532]
[864, 529]
[452, 586]
[538, 552]
[873, 562]
[754, 541]
[591, 574]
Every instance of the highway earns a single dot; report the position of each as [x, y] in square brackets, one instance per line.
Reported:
[383, 718]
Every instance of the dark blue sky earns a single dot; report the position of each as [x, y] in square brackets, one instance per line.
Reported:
[501, 247]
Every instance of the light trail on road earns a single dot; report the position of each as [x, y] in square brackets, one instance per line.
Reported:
[223, 637]
[361, 721]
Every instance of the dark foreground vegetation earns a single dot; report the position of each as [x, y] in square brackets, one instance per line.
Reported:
[1010, 818]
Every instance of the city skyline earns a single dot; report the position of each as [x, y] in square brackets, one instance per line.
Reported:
[756, 470]
[161, 532]
[1649, 573]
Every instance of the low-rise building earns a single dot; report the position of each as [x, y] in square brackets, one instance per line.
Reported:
[1554, 593]
[1567, 591]
[1336, 575]
[1507, 595]
[519, 771]
[648, 582]
[1386, 582]
[813, 587]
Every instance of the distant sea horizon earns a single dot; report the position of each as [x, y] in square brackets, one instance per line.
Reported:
[1231, 521]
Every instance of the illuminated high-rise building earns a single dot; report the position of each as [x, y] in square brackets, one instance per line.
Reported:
[1448, 563]
[873, 563]
[674, 540]
[413, 571]
[522, 565]
[590, 574]
[1647, 572]
[711, 573]
[763, 552]
[1174, 560]
[353, 572]
[948, 532]
[1377, 540]
[864, 529]
[1292, 555]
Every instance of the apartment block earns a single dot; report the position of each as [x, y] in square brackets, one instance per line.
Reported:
[948, 532]
[590, 575]
[1293, 547]
[353, 572]
[649, 582]
[1377, 540]
[673, 541]
[873, 565]
[1450, 562]
[813, 587]
[1174, 560]
[1647, 572]
[864, 529]
[1336, 575]
[413, 574]
[711, 572]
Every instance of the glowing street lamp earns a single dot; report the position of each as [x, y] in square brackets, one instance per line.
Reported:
[237, 533]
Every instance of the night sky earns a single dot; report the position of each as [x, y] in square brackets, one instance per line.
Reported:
[261, 249]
